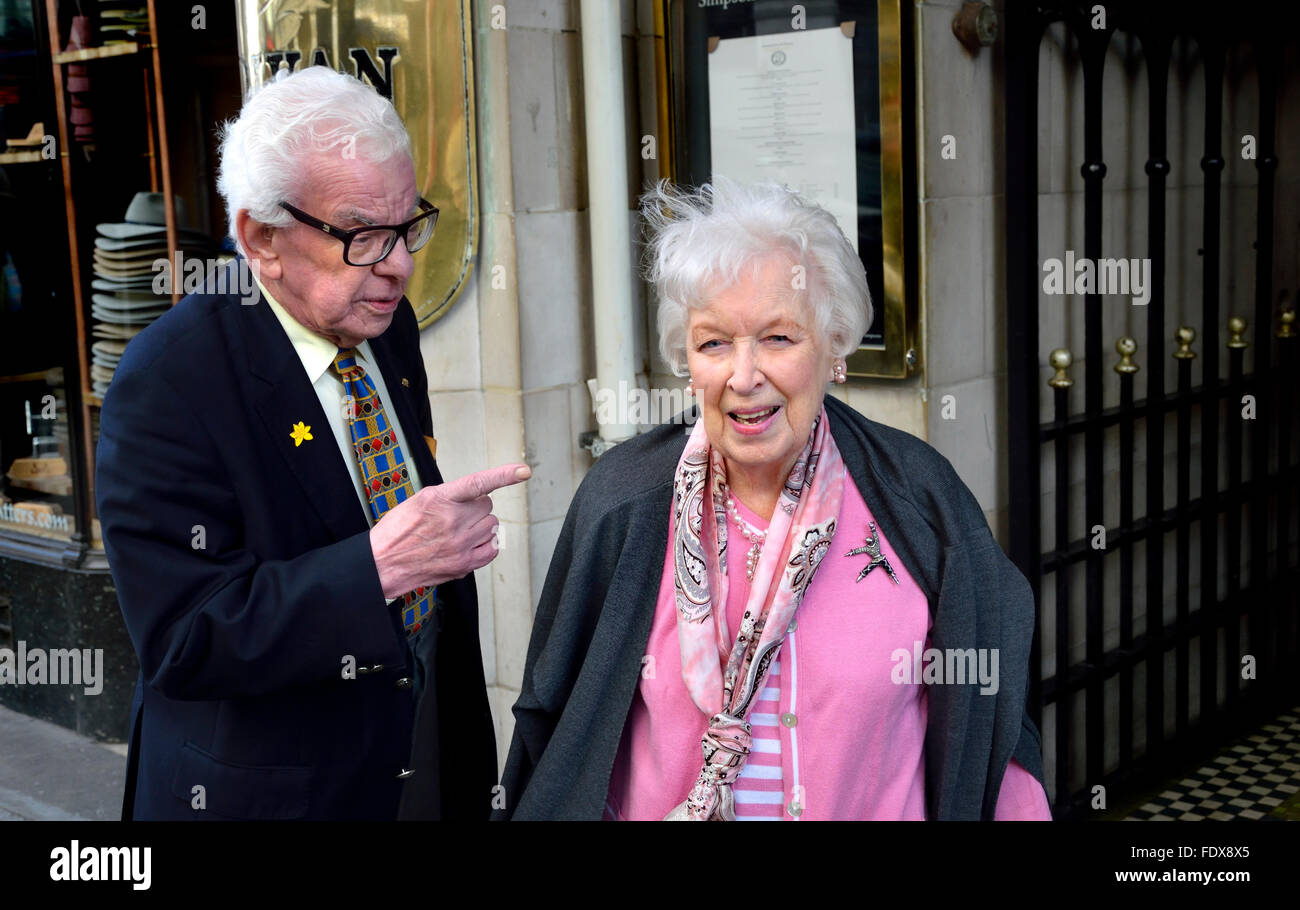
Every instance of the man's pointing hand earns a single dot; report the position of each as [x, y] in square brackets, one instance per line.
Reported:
[442, 532]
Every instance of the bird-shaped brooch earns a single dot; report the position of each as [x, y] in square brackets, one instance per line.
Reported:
[871, 547]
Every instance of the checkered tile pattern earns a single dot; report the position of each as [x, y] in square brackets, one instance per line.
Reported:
[1257, 778]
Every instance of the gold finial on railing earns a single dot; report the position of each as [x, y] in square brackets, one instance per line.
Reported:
[1284, 330]
[1126, 347]
[1237, 328]
[1060, 361]
[1185, 336]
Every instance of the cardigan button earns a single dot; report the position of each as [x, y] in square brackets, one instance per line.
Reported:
[789, 719]
[404, 683]
[404, 774]
[794, 808]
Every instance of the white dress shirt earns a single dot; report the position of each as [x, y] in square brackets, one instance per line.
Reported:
[317, 355]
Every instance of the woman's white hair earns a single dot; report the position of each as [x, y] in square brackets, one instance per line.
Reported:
[699, 240]
[296, 115]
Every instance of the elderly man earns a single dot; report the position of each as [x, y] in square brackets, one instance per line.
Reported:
[294, 573]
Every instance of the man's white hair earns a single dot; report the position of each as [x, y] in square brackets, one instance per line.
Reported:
[698, 241]
[296, 115]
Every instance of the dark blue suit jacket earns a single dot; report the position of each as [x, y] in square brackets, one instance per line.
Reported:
[245, 576]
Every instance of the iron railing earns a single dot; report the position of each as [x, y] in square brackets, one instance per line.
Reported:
[1245, 617]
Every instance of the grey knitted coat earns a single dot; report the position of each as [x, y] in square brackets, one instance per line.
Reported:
[594, 617]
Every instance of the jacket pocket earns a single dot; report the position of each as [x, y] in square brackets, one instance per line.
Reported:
[241, 791]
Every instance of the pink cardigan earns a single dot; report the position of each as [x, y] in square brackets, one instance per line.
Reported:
[852, 738]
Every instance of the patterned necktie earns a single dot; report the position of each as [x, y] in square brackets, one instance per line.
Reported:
[383, 468]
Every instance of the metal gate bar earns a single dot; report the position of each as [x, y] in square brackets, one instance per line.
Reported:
[1266, 603]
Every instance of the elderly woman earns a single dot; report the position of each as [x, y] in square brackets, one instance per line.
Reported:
[772, 590]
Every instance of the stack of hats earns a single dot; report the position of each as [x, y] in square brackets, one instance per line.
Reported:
[121, 21]
[123, 301]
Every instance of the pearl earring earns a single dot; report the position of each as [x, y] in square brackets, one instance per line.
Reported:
[839, 372]
[690, 386]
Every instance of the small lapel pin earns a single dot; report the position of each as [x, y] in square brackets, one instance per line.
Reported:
[871, 547]
[406, 382]
[300, 432]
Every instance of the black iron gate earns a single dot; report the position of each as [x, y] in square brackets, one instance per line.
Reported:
[1240, 634]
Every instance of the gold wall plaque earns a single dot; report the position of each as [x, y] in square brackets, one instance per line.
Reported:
[419, 54]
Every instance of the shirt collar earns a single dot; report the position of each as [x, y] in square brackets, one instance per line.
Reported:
[316, 352]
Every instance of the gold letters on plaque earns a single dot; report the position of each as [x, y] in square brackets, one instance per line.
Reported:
[419, 54]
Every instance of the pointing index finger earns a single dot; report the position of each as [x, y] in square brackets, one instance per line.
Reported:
[481, 483]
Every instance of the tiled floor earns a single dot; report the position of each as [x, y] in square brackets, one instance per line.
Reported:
[1256, 778]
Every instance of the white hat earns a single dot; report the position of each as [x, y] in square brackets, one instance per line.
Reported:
[146, 217]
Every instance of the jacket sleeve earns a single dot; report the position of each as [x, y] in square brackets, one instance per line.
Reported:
[1022, 790]
[538, 708]
[207, 617]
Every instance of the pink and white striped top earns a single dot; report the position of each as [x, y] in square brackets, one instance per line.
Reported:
[759, 791]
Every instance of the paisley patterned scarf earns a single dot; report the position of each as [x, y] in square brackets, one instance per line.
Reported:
[798, 537]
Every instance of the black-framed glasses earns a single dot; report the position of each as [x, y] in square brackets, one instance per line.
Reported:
[372, 243]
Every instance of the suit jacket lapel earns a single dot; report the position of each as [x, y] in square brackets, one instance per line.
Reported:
[284, 398]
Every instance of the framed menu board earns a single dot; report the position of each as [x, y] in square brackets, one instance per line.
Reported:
[818, 96]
